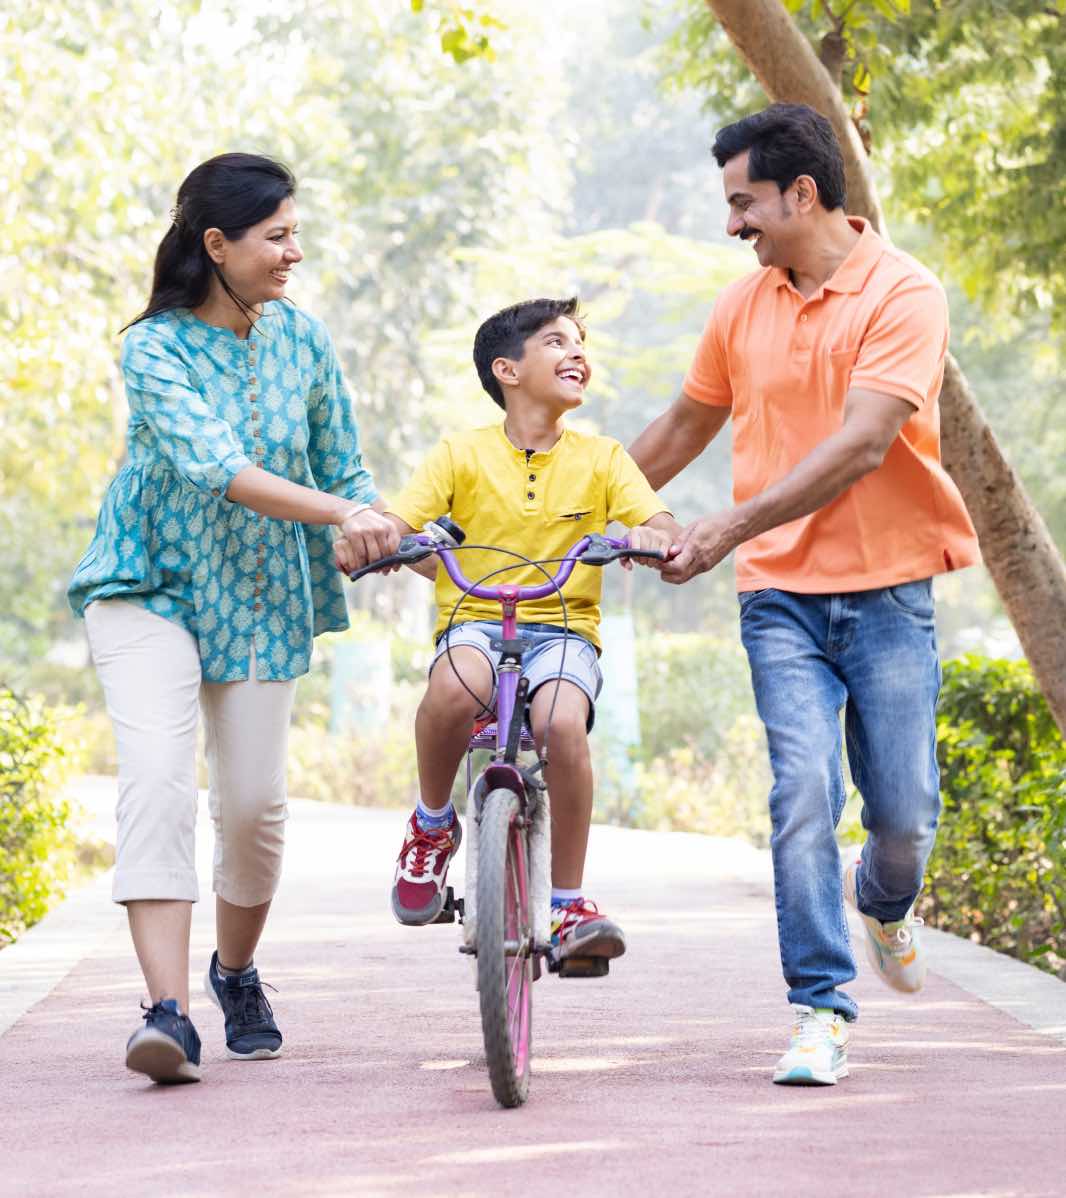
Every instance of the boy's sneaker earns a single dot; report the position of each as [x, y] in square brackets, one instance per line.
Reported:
[580, 929]
[167, 1048]
[422, 870]
[818, 1054]
[893, 949]
[251, 1033]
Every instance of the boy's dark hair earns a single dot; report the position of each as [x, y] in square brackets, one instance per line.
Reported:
[786, 141]
[505, 334]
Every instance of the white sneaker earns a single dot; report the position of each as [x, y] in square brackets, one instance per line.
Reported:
[818, 1054]
[893, 949]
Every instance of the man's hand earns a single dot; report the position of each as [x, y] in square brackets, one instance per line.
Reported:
[703, 544]
[365, 537]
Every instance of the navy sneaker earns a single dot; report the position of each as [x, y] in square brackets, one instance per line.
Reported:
[167, 1048]
[251, 1033]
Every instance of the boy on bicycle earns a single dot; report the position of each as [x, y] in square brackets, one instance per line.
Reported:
[532, 485]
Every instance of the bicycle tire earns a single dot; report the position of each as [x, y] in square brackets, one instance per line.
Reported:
[504, 981]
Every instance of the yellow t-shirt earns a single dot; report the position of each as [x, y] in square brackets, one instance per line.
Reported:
[535, 503]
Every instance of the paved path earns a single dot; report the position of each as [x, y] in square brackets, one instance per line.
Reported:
[654, 1081]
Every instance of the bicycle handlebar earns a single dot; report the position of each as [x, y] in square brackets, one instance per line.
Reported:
[592, 550]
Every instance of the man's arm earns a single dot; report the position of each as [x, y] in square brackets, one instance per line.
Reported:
[872, 421]
[673, 439]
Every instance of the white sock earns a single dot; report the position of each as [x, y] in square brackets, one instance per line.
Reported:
[428, 818]
[561, 897]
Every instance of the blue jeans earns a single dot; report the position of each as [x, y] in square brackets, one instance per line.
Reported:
[872, 653]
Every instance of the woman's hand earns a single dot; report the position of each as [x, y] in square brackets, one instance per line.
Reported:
[366, 537]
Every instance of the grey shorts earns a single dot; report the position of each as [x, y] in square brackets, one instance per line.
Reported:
[541, 660]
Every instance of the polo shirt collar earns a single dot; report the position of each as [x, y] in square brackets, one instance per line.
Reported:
[853, 272]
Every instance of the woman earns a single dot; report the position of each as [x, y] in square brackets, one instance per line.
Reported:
[209, 575]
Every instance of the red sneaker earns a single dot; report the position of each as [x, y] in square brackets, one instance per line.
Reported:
[422, 871]
[580, 929]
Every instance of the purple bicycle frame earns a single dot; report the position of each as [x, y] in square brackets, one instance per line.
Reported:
[510, 596]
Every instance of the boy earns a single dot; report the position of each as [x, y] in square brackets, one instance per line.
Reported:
[534, 486]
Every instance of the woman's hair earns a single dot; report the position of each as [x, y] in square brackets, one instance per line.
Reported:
[231, 192]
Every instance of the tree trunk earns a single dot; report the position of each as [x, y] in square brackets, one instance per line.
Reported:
[1025, 566]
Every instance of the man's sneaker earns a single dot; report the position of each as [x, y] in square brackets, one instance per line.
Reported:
[818, 1053]
[251, 1033]
[893, 949]
[167, 1048]
[580, 929]
[422, 870]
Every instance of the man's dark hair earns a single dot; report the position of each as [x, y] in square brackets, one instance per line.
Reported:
[786, 141]
[505, 334]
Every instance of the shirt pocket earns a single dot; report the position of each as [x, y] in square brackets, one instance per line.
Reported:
[841, 362]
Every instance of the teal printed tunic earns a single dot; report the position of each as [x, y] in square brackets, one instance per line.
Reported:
[204, 405]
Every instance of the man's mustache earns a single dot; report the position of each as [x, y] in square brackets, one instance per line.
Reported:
[747, 233]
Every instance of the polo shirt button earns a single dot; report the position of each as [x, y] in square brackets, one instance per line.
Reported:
[530, 495]
[532, 478]
[258, 607]
[251, 397]
[804, 318]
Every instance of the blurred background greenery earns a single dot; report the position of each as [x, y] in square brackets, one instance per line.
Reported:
[453, 158]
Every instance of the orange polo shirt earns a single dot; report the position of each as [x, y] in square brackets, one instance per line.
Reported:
[784, 364]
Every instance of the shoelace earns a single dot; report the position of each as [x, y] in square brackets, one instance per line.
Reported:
[809, 1029]
[252, 1005]
[156, 1008]
[426, 842]
[570, 915]
[901, 937]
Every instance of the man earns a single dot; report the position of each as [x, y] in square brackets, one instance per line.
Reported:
[829, 359]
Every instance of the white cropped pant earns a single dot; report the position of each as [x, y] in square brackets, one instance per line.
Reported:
[149, 668]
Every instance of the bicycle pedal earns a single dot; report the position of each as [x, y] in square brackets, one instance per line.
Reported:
[583, 967]
[451, 907]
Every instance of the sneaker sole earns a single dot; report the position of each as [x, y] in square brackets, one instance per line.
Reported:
[257, 1054]
[160, 1057]
[415, 919]
[607, 946]
[804, 1075]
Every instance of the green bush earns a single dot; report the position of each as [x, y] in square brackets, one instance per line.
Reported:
[37, 849]
[998, 873]
[702, 765]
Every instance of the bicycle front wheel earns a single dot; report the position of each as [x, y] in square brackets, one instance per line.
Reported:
[504, 946]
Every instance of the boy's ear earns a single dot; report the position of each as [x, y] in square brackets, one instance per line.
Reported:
[505, 371]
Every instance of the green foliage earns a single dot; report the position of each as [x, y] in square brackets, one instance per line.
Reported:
[702, 765]
[998, 872]
[963, 104]
[37, 849]
[403, 158]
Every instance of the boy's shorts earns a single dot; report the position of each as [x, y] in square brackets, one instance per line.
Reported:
[541, 659]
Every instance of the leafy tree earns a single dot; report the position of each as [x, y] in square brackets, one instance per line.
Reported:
[404, 158]
[1024, 563]
[962, 106]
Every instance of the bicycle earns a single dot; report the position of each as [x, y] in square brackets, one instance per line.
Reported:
[506, 911]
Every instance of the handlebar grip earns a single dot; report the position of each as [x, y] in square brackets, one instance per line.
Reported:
[411, 550]
[655, 553]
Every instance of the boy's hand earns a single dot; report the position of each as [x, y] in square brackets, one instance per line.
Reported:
[644, 537]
